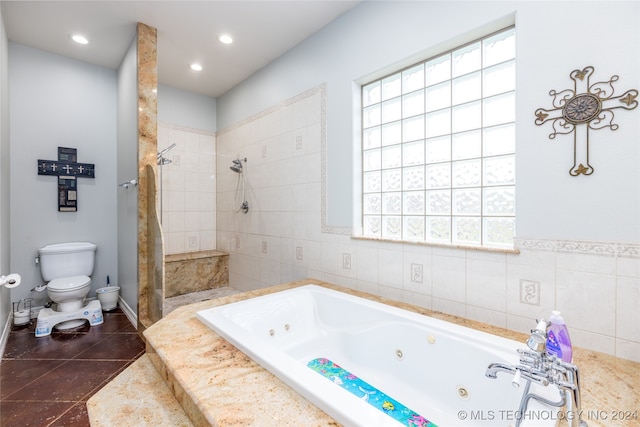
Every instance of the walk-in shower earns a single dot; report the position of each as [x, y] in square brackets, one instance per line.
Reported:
[237, 167]
[162, 161]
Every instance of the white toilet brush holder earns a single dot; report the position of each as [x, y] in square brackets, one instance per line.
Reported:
[108, 297]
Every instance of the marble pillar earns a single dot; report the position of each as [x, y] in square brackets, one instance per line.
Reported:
[147, 66]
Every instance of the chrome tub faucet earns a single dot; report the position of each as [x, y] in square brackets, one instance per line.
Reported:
[536, 366]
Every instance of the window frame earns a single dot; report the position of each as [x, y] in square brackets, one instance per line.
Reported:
[386, 107]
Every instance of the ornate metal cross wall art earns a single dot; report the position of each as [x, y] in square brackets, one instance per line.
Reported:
[67, 169]
[587, 106]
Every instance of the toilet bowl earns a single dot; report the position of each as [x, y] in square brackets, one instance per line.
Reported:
[69, 292]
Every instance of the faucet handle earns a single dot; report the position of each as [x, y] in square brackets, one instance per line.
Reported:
[537, 342]
[515, 381]
[541, 326]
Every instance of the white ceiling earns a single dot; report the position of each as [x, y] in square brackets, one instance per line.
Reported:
[187, 32]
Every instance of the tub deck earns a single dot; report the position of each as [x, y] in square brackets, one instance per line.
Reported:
[216, 384]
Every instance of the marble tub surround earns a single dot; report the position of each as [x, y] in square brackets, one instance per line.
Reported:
[216, 384]
[195, 271]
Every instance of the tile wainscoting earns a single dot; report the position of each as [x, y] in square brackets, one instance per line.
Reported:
[285, 238]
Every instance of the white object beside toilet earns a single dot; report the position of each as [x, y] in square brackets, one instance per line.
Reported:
[67, 267]
[108, 297]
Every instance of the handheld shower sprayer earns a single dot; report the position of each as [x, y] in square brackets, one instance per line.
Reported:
[236, 166]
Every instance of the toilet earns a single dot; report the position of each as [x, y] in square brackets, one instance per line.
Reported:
[67, 267]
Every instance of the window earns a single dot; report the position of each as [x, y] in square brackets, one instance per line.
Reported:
[438, 148]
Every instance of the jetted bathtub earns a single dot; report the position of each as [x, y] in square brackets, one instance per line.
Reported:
[371, 364]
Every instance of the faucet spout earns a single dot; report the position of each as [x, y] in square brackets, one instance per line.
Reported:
[494, 368]
[522, 370]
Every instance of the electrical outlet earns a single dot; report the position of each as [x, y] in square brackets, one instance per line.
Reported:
[299, 142]
[416, 273]
[529, 292]
[346, 261]
[237, 241]
[299, 253]
[264, 247]
[264, 151]
[193, 242]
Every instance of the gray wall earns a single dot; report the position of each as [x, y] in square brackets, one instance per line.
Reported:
[186, 109]
[127, 169]
[56, 101]
[5, 299]
[365, 41]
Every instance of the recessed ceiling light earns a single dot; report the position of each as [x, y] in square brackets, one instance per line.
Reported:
[79, 39]
[196, 67]
[225, 39]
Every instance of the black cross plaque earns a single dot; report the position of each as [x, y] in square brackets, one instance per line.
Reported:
[67, 169]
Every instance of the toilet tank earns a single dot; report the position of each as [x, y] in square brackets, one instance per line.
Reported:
[66, 260]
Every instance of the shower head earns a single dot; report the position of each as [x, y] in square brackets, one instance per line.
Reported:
[163, 160]
[237, 165]
[166, 150]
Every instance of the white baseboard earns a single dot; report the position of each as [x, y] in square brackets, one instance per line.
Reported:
[131, 315]
[5, 333]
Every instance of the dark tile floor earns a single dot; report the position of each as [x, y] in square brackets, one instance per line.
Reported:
[46, 381]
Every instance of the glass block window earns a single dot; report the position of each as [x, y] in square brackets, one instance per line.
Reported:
[438, 148]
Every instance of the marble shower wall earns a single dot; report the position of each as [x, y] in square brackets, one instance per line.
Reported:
[188, 189]
[283, 238]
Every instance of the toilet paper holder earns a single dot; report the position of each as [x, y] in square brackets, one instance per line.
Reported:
[10, 281]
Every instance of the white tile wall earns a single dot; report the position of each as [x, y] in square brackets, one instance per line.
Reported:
[596, 285]
[188, 189]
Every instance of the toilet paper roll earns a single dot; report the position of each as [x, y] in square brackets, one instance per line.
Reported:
[11, 281]
[21, 317]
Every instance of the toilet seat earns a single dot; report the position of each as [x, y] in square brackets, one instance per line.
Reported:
[66, 284]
